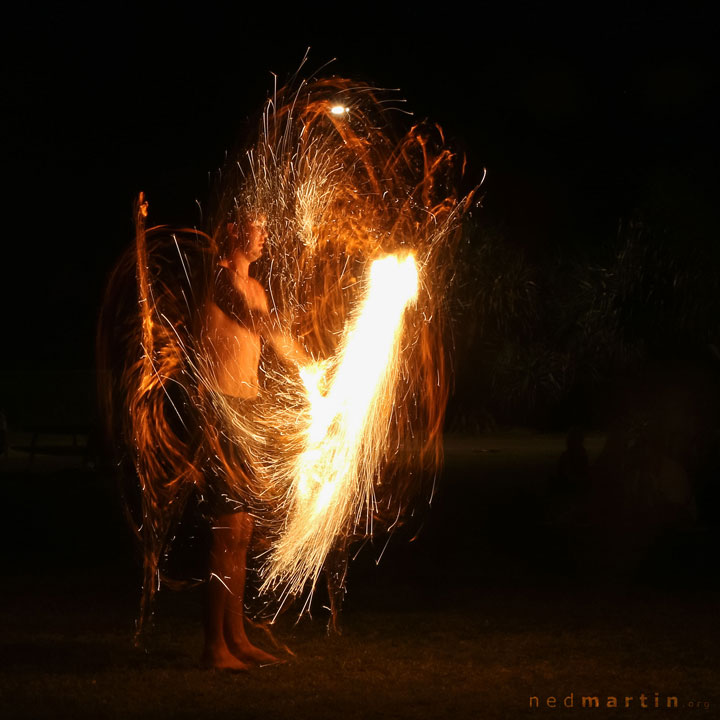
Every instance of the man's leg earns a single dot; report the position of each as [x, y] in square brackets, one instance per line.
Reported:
[220, 586]
[234, 618]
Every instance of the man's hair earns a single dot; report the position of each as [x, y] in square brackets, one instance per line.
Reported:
[227, 242]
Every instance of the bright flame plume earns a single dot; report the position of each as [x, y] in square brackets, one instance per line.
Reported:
[348, 425]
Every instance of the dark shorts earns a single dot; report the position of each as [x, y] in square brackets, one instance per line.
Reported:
[220, 498]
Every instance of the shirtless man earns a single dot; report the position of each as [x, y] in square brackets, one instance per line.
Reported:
[235, 319]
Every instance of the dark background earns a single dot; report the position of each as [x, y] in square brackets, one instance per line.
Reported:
[597, 129]
[582, 120]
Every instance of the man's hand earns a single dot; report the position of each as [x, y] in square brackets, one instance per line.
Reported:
[288, 348]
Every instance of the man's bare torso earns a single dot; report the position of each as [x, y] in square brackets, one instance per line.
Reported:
[233, 349]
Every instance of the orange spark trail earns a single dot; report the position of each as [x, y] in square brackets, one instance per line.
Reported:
[363, 221]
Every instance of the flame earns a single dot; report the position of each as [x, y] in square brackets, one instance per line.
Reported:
[347, 431]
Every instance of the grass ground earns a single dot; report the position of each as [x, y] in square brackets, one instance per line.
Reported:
[491, 606]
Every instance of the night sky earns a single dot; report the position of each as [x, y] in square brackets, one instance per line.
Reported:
[581, 120]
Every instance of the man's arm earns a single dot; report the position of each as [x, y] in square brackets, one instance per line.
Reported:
[258, 318]
[286, 346]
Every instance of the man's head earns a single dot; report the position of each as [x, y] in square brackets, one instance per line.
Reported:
[246, 235]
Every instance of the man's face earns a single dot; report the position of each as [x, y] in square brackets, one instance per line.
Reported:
[255, 236]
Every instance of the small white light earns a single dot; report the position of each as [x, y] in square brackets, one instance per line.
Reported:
[338, 110]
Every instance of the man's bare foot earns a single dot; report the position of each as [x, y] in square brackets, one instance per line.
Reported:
[223, 659]
[247, 652]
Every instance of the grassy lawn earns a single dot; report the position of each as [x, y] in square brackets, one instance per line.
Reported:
[488, 608]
